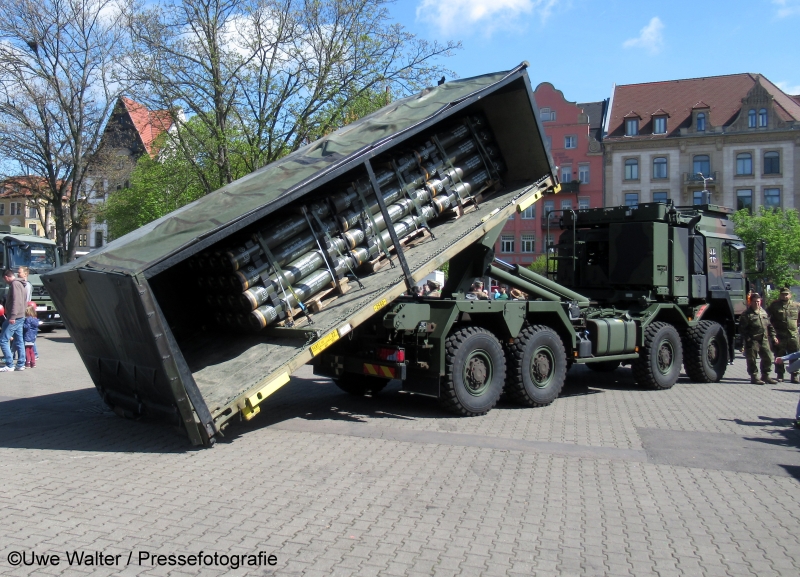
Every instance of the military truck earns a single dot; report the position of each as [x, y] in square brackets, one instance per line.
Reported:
[676, 272]
[19, 247]
[202, 315]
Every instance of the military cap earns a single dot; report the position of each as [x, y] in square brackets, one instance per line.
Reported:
[434, 285]
[754, 296]
[785, 291]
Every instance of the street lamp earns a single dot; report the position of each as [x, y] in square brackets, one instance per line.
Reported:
[706, 192]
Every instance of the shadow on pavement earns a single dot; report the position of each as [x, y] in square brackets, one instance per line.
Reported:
[793, 471]
[63, 340]
[782, 430]
[80, 421]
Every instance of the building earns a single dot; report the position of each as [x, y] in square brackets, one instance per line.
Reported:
[23, 202]
[574, 133]
[131, 131]
[737, 135]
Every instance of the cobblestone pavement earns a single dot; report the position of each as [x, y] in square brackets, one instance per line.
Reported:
[609, 480]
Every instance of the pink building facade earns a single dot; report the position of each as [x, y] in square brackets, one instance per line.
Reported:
[574, 134]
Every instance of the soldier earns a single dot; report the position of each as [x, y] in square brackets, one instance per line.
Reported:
[435, 289]
[783, 313]
[476, 291]
[757, 334]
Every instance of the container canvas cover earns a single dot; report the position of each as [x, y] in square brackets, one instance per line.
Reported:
[278, 183]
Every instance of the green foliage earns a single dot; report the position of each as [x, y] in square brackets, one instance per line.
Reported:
[539, 265]
[781, 230]
[445, 268]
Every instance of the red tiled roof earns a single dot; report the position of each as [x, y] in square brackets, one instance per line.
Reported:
[22, 186]
[150, 124]
[721, 94]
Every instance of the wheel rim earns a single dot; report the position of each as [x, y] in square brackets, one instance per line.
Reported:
[712, 352]
[542, 367]
[666, 357]
[478, 372]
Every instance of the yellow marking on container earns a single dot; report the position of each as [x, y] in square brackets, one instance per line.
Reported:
[251, 408]
[529, 200]
[379, 305]
[378, 371]
[325, 342]
[490, 215]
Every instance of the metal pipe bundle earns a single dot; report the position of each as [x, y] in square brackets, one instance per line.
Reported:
[416, 187]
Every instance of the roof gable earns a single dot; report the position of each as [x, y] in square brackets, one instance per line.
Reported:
[149, 124]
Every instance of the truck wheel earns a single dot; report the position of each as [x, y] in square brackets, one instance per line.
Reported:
[706, 347]
[361, 385]
[603, 366]
[537, 367]
[660, 359]
[475, 370]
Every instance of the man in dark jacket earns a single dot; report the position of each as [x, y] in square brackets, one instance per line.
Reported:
[12, 327]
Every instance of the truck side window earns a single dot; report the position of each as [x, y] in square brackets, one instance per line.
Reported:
[731, 259]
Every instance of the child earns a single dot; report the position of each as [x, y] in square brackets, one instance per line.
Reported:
[30, 329]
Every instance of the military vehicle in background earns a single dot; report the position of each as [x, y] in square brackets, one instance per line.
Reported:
[202, 315]
[21, 248]
[676, 272]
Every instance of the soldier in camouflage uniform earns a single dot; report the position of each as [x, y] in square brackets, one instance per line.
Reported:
[757, 334]
[783, 313]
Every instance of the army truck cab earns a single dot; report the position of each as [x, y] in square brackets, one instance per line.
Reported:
[18, 247]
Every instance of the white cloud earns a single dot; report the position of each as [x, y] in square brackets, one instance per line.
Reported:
[451, 16]
[787, 8]
[650, 37]
[788, 88]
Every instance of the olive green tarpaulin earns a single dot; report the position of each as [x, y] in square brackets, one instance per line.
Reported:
[267, 187]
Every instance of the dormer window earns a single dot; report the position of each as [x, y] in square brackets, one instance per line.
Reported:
[547, 115]
[762, 118]
[660, 125]
[631, 126]
[701, 122]
[751, 118]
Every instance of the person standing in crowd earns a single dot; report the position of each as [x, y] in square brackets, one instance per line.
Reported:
[783, 314]
[30, 328]
[22, 275]
[476, 291]
[12, 327]
[434, 289]
[757, 334]
[501, 295]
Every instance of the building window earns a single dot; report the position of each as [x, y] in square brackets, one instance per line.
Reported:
[32, 211]
[16, 208]
[632, 199]
[566, 173]
[762, 118]
[631, 169]
[583, 173]
[751, 119]
[528, 243]
[583, 203]
[529, 212]
[744, 199]
[772, 197]
[82, 239]
[2, 209]
[660, 125]
[549, 207]
[699, 197]
[506, 244]
[631, 127]
[33, 229]
[547, 115]
[549, 242]
[701, 122]
[702, 165]
[566, 204]
[98, 238]
[744, 163]
[772, 163]
[570, 142]
[660, 167]
[661, 196]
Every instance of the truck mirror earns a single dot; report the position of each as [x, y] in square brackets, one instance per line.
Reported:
[761, 256]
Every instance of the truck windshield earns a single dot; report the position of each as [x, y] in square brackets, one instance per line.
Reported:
[39, 258]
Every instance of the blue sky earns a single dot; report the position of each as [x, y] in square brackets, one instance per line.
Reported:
[584, 47]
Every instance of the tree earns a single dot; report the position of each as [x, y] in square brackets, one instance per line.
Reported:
[539, 265]
[57, 86]
[781, 229]
[265, 77]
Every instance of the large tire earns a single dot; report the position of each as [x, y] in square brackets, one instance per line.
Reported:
[660, 359]
[537, 366]
[705, 349]
[361, 385]
[603, 366]
[475, 371]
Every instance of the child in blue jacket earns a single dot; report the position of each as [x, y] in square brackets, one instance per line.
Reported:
[30, 328]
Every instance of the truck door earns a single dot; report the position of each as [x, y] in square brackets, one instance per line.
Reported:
[733, 273]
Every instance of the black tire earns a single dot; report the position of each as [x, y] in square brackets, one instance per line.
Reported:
[47, 329]
[661, 357]
[603, 366]
[475, 372]
[705, 352]
[536, 366]
[361, 385]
